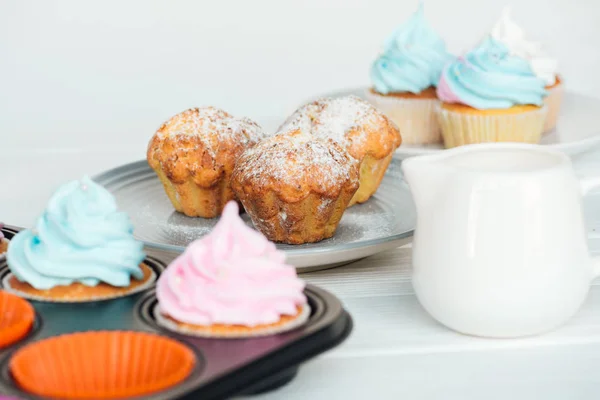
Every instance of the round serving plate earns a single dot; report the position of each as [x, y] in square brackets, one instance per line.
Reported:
[385, 221]
[576, 130]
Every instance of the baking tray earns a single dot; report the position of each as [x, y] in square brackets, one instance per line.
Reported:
[224, 368]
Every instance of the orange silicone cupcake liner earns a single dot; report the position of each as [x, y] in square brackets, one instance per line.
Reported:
[103, 364]
[16, 318]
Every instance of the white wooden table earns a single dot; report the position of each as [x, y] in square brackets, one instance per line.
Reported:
[396, 350]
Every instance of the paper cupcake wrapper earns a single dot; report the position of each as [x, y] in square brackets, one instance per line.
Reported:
[259, 331]
[6, 286]
[415, 118]
[101, 365]
[462, 128]
[553, 102]
[16, 318]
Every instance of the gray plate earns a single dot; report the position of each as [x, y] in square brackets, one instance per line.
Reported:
[385, 221]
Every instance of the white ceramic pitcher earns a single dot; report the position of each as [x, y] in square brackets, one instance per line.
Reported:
[500, 247]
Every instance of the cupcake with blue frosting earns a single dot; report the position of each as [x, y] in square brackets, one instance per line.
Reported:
[404, 77]
[81, 249]
[490, 95]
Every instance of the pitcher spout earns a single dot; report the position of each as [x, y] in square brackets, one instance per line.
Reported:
[424, 176]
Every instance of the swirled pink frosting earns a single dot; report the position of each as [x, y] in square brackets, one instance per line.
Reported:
[444, 92]
[232, 276]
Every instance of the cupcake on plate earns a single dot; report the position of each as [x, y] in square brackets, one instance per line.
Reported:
[404, 77]
[490, 95]
[367, 134]
[81, 249]
[295, 187]
[545, 67]
[193, 155]
[232, 283]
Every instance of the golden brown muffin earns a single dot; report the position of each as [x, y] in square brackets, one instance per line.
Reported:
[194, 153]
[368, 135]
[295, 187]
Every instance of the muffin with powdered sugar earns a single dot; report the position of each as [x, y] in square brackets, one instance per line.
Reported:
[194, 153]
[295, 186]
[368, 135]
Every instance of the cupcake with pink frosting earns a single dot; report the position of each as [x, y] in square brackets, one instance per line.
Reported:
[232, 283]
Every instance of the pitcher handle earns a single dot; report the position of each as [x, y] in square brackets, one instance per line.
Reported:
[587, 185]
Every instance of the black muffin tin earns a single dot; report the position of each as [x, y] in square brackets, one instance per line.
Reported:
[224, 367]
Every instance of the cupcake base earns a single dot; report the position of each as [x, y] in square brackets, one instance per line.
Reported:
[553, 102]
[414, 114]
[309, 220]
[3, 246]
[285, 323]
[195, 201]
[372, 171]
[463, 125]
[78, 292]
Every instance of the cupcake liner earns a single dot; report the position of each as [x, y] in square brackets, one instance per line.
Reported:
[372, 171]
[233, 331]
[38, 295]
[101, 365]
[16, 318]
[459, 128]
[415, 118]
[553, 102]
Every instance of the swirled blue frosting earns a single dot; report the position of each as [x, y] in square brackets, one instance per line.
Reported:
[81, 237]
[489, 77]
[412, 60]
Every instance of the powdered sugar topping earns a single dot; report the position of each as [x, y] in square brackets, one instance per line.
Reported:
[295, 159]
[335, 118]
[212, 127]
